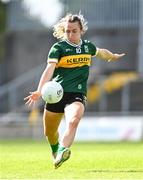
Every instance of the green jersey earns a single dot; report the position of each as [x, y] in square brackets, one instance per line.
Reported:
[73, 61]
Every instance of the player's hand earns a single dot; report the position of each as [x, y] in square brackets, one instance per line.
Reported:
[32, 98]
[116, 57]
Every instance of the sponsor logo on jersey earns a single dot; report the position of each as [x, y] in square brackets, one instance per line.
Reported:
[75, 61]
[68, 50]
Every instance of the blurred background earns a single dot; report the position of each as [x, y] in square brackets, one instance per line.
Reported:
[115, 97]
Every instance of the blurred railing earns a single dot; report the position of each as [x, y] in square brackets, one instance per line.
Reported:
[121, 93]
[107, 13]
[99, 13]
[12, 94]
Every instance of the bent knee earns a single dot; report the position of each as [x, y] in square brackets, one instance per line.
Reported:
[74, 122]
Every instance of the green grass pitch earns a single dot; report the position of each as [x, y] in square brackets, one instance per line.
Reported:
[31, 159]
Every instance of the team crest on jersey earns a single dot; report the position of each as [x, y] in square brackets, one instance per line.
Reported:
[79, 86]
[86, 48]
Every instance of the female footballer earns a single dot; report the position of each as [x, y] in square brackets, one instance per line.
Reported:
[68, 63]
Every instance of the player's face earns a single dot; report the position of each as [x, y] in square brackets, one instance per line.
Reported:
[73, 32]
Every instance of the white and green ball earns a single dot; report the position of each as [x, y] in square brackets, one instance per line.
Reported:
[52, 92]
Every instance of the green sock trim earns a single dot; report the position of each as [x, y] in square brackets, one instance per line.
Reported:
[54, 147]
[61, 148]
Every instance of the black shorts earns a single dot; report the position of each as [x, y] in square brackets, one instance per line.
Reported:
[68, 98]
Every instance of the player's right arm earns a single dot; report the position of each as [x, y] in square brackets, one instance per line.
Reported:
[53, 57]
[46, 76]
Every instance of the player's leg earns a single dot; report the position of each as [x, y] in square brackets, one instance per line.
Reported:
[73, 114]
[51, 121]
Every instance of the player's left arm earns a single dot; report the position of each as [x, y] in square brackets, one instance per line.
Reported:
[108, 55]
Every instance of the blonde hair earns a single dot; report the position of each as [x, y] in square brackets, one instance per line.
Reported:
[59, 27]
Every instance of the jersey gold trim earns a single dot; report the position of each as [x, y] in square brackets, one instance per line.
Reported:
[74, 61]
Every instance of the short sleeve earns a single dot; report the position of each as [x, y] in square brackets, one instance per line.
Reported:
[54, 53]
[93, 49]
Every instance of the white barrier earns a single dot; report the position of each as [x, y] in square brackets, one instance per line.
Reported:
[109, 129]
[106, 129]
